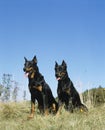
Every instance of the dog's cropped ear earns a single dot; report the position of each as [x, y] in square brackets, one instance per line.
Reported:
[64, 63]
[34, 59]
[25, 59]
[56, 64]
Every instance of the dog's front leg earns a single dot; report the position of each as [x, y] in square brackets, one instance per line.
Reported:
[60, 105]
[32, 108]
[45, 104]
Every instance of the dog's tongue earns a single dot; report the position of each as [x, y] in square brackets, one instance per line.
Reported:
[26, 74]
[58, 78]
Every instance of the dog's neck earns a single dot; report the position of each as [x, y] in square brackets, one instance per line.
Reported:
[35, 76]
[37, 79]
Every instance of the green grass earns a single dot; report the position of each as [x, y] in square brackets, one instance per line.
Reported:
[13, 116]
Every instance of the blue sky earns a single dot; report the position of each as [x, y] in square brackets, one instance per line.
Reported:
[54, 30]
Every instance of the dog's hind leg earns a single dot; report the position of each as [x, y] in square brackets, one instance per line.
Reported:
[53, 108]
[83, 108]
[45, 104]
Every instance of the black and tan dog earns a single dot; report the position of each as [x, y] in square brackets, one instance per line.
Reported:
[39, 89]
[67, 94]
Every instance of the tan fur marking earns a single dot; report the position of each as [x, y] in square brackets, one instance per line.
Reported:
[53, 107]
[62, 73]
[32, 75]
[28, 69]
[39, 88]
[32, 111]
[46, 112]
[60, 109]
[67, 90]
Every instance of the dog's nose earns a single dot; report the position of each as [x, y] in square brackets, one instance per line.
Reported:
[24, 69]
[56, 75]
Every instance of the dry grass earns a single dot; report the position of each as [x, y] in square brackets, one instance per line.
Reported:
[13, 116]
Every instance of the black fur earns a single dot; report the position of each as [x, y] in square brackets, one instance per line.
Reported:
[67, 94]
[39, 89]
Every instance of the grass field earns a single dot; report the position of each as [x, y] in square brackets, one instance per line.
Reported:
[13, 116]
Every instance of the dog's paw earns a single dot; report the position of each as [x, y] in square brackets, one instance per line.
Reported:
[31, 116]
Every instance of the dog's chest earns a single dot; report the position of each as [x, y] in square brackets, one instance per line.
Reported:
[64, 87]
[35, 85]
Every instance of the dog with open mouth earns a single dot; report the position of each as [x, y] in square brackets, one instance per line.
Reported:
[39, 89]
[67, 94]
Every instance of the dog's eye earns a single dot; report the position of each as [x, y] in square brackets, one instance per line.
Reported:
[29, 65]
[63, 68]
